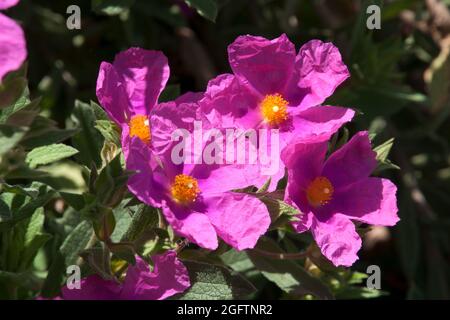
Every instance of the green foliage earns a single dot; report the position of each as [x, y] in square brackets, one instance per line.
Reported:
[212, 282]
[48, 154]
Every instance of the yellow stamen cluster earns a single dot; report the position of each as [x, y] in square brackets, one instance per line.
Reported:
[140, 127]
[319, 191]
[274, 109]
[184, 189]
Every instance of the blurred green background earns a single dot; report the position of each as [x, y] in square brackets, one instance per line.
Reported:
[400, 83]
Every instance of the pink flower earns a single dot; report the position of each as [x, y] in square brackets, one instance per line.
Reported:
[169, 277]
[196, 198]
[13, 51]
[330, 193]
[129, 90]
[275, 88]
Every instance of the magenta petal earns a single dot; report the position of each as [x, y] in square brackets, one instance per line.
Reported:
[111, 94]
[93, 288]
[319, 70]
[320, 122]
[239, 219]
[296, 197]
[372, 201]
[5, 4]
[337, 239]
[214, 178]
[144, 74]
[149, 183]
[352, 162]
[265, 65]
[228, 103]
[169, 277]
[13, 50]
[192, 224]
[304, 162]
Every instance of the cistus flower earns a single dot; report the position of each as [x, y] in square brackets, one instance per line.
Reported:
[168, 277]
[13, 51]
[273, 87]
[129, 90]
[196, 199]
[330, 193]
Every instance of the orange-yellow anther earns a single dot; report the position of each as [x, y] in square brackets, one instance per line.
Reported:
[140, 127]
[319, 192]
[274, 109]
[184, 189]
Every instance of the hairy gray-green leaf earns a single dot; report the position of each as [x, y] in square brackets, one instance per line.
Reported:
[10, 137]
[88, 141]
[48, 154]
[76, 242]
[211, 282]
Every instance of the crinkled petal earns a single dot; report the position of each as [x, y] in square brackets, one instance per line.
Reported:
[93, 288]
[169, 277]
[13, 51]
[296, 197]
[319, 70]
[337, 239]
[264, 65]
[111, 94]
[372, 201]
[5, 4]
[213, 178]
[149, 184]
[352, 162]
[144, 74]
[229, 104]
[319, 123]
[192, 223]
[304, 162]
[239, 219]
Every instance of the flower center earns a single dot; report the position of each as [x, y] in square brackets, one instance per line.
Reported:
[184, 189]
[140, 127]
[319, 191]
[274, 109]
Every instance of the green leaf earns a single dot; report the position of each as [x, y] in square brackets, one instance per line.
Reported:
[211, 282]
[88, 141]
[44, 131]
[98, 259]
[10, 137]
[25, 210]
[13, 95]
[105, 226]
[76, 242]
[205, 8]
[382, 156]
[144, 217]
[74, 200]
[124, 251]
[111, 7]
[278, 207]
[383, 149]
[109, 130]
[35, 238]
[286, 274]
[48, 154]
[265, 186]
